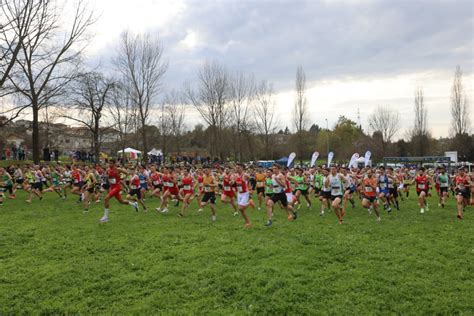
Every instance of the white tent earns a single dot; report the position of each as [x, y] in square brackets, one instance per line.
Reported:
[129, 150]
[155, 152]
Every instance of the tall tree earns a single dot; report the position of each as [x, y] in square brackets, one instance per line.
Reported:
[241, 94]
[175, 117]
[122, 113]
[265, 119]
[461, 123]
[15, 25]
[300, 111]
[210, 99]
[419, 133]
[49, 59]
[140, 61]
[387, 122]
[89, 96]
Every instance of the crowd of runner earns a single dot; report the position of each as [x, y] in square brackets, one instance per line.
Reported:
[288, 189]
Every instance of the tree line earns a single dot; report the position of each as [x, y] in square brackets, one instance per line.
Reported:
[42, 68]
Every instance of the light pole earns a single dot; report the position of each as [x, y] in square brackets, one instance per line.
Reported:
[327, 137]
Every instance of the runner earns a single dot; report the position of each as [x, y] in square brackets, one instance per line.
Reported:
[443, 183]
[187, 192]
[113, 174]
[209, 197]
[422, 184]
[336, 181]
[243, 196]
[228, 192]
[370, 185]
[302, 187]
[279, 185]
[463, 193]
[260, 178]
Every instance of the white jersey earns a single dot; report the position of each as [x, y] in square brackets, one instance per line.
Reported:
[336, 184]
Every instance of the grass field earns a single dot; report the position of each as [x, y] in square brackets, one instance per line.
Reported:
[55, 259]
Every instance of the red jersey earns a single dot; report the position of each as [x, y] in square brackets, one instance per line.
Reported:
[227, 184]
[76, 176]
[114, 177]
[200, 180]
[369, 184]
[188, 185]
[241, 184]
[135, 182]
[421, 183]
[288, 186]
[155, 178]
[461, 182]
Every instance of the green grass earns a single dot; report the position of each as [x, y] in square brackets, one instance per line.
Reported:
[55, 259]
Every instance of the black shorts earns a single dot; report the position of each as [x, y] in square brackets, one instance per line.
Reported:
[304, 192]
[443, 189]
[326, 195]
[317, 191]
[38, 186]
[209, 197]
[393, 192]
[466, 194]
[90, 189]
[269, 194]
[280, 197]
[136, 192]
[253, 183]
[333, 197]
[20, 181]
[78, 184]
[419, 192]
[371, 199]
[105, 186]
[261, 190]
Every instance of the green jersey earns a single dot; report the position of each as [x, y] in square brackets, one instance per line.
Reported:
[268, 186]
[318, 181]
[301, 185]
[443, 180]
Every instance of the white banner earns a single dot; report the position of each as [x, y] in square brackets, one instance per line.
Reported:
[291, 157]
[314, 158]
[353, 162]
[330, 156]
[367, 158]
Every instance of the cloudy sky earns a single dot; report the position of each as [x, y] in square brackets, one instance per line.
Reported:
[356, 54]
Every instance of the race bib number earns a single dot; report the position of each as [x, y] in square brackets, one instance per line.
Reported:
[239, 188]
[187, 187]
[383, 186]
[111, 181]
[421, 186]
[133, 187]
[156, 182]
[207, 189]
[369, 189]
[226, 188]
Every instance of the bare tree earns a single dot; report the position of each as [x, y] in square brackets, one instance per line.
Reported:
[387, 122]
[90, 94]
[241, 94]
[210, 100]
[300, 110]
[122, 113]
[420, 133]
[265, 120]
[174, 111]
[140, 61]
[15, 25]
[461, 123]
[49, 58]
